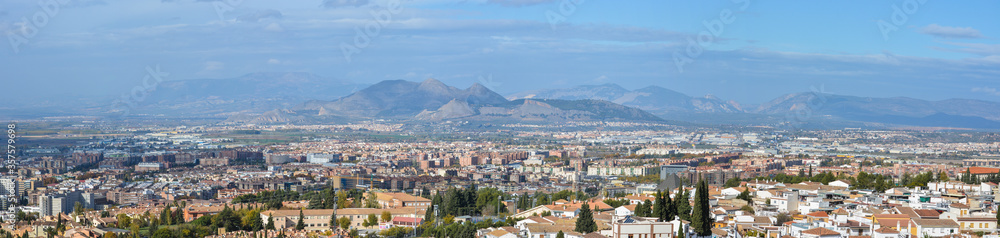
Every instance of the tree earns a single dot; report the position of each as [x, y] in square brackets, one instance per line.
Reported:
[943, 177]
[386, 216]
[163, 233]
[110, 235]
[372, 201]
[560, 234]
[643, 208]
[344, 223]
[371, 221]
[333, 221]
[732, 182]
[781, 218]
[700, 220]
[745, 195]
[78, 208]
[585, 221]
[659, 206]
[270, 223]
[301, 223]
[124, 221]
[683, 204]
[747, 209]
[671, 210]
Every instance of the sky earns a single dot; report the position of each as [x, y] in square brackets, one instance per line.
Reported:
[744, 50]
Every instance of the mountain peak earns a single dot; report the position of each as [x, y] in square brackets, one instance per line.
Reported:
[431, 81]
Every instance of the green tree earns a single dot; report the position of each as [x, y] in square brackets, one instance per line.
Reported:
[372, 201]
[270, 223]
[643, 208]
[371, 221]
[301, 223]
[386, 216]
[163, 233]
[124, 221]
[745, 196]
[78, 208]
[560, 235]
[344, 223]
[733, 182]
[585, 221]
[943, 177]
[683, 204]
[659, 206]
[671, 209]
[701, 222]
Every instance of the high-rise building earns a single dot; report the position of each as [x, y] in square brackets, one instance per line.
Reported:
[8, 186]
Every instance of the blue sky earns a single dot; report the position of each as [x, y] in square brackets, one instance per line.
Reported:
[770, 48]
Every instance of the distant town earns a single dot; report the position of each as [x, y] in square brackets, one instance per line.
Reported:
[379, 179]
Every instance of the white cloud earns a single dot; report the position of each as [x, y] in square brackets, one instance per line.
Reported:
[214, 65]
[518, 3]
[951, 32]
[275, 27]
[987, 90]
[344, 3]
[274, 61]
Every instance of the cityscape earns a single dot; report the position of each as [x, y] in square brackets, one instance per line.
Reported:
[499, 119]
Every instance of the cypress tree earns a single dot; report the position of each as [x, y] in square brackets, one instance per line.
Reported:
[671, 210]
[683, 204]
[701, 222]
[585, 221]
[659, 206]
[301, 224]
[647, 208]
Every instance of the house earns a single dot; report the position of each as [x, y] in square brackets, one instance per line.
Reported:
[626, 210]
[935, 227]
[820, 232]
[397, 200]
[817, 216]
[885, 232]
[631, 226]
[550, 231]
[974, 224]
[840, 183]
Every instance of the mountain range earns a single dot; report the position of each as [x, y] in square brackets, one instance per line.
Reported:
[281, 97]
[432, 100]
[808, 108]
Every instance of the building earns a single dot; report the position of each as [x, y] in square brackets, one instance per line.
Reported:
[635, 227]
[148, 166]
[398, 200]
[9, 186]
[319, 219]
[214, 162]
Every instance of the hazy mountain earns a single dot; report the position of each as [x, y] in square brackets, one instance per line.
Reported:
[251, 93]
[818, 111]
[433, 100]
[653, 99]
[962, 113]
[395, 98]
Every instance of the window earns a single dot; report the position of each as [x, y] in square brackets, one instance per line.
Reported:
[629, 235]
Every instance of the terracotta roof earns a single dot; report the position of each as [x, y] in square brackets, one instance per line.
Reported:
[983, 170]
[820, 231]
[498, 233]
[886, 230]
[927, 212]
[959, 205]
[818, 214]
[946, 223]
